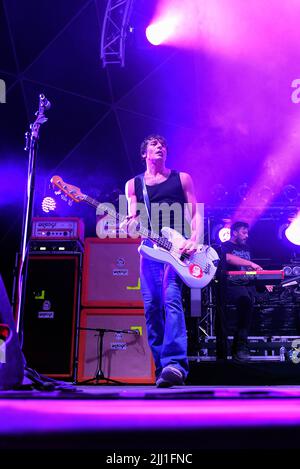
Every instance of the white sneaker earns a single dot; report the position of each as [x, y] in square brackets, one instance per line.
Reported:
[170, 376]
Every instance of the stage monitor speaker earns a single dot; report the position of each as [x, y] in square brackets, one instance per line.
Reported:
[51, 312]
[11, 358]
[111, 273]
[126, 357]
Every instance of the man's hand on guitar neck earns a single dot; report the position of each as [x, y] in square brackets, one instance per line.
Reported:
[130, 224]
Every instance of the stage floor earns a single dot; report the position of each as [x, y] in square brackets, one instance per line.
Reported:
[110, 419]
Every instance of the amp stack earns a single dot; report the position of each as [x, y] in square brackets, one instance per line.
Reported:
[112, 303]
[52, 302]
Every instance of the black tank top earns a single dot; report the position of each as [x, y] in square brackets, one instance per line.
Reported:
[169, 192]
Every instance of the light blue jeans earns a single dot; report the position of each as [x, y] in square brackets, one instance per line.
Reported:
[161, 289]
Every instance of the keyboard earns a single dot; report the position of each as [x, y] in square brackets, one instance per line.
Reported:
[267, 277]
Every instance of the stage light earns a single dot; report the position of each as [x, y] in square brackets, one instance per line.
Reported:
[291, 271]
[48, 204]
[282, 229]
[221, 231]
[296, 270]
[290, 192]
[292, 232]
[242, 191]
[159, 32]
[224, 234]
[287, 270]
[219, 193]
[265, 194]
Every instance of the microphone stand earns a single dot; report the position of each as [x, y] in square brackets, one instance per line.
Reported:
[99, 374]
[31, 145]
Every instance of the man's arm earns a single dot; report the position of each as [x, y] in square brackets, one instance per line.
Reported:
[240, 262]
[196, 220]
[131, 197]
[131, 223]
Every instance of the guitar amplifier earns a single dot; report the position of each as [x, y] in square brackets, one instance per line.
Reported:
[111, 273]
[126, 355]
[51, 313]
[56, 228]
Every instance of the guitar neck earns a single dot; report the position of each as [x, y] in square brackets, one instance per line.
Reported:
[159, 240]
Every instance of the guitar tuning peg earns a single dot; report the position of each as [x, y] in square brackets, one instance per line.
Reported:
[57, 192]
[64, 197]
[70, 202]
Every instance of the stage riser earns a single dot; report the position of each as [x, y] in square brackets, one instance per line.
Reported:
[262, 348]
[230, 372]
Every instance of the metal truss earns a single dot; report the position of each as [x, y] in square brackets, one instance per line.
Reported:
[114, 31]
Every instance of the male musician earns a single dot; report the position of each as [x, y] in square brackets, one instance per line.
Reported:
[161, 286]
[237, 256]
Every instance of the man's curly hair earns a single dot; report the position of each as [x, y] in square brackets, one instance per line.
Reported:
[145, 142]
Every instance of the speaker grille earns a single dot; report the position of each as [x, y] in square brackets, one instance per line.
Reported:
[111, 273]
[126, 357]
[50, 313]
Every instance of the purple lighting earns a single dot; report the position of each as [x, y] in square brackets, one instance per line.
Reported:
[34, 416]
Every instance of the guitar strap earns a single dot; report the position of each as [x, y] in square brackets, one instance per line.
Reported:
[146, 197]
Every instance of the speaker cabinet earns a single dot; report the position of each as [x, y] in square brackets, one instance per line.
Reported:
[51, 312]
[111, 273]
[126, 356]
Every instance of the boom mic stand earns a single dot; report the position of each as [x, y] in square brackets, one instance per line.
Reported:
[31, 144]
[99, 374]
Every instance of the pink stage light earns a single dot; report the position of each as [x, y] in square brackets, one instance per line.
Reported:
[277, 168]
[157, 33]
[173, 23]
[292, 232]
[247, 30]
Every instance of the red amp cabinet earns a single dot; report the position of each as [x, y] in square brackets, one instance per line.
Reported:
[126, 356]
[111, 273]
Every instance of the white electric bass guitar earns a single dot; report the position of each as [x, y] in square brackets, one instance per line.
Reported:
[196, 270]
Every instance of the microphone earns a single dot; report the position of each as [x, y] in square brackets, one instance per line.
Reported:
[44, 102]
